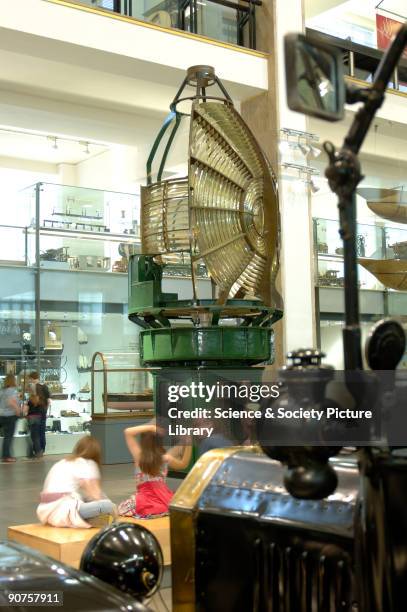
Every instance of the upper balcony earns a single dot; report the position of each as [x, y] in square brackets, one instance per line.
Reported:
[230, 21]
[70, 68]
[361, 62]
[69, 51]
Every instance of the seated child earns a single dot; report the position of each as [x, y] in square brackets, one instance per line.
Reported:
[72, 495]
[152, 496]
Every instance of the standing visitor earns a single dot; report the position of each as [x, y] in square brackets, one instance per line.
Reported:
[42, 392]
[10, 407]
[34, 418]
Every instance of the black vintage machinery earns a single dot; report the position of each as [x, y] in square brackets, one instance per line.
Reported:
[241, 542]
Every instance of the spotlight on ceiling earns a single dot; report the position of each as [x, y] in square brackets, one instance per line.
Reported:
[284, 147]
[85, 146]
[284, 144]
[314, 187]
[315, 152]
[304, 148]
[53, 141]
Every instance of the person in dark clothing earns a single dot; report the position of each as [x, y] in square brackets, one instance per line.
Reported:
[39, 400]
[34, 418]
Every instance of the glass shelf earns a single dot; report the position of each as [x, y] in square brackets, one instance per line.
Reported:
[76, 228]
[329, 268]
[120, 386]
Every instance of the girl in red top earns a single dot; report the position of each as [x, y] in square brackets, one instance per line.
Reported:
[153, 496]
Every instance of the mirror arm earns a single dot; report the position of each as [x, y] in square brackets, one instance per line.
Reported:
[356, 94]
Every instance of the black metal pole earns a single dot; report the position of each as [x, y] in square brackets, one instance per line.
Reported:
[344, 176]
[37, 278]
[351, 331]
[195, 16]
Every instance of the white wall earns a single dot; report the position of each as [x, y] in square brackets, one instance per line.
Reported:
[12, 181]
[118, 169]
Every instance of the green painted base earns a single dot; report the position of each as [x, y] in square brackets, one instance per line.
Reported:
[215, 345]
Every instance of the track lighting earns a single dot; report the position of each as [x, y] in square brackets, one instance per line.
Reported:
[301, 168]
[303, 175]
[296, 139]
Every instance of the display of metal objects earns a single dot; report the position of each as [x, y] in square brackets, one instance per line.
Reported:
[400, 249]
[390, 204]
[392, 273]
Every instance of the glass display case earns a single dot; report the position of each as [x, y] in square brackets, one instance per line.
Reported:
[382, 270]
[80, 229]
[119, 386]
[371, 244]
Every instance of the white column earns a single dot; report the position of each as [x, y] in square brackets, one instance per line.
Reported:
[295, 205]
[67, 174]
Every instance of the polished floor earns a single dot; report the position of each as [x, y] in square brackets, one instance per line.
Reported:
[21, 482]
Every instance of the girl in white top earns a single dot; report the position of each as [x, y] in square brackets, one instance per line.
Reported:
[72, 495]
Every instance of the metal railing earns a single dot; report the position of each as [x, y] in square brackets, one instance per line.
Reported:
[361, 62]
[232, 21]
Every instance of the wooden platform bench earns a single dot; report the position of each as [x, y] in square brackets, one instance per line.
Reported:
[66, 544]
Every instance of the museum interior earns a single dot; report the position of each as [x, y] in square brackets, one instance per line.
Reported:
[165, 209]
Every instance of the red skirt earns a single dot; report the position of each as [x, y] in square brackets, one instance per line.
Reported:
[151, 499]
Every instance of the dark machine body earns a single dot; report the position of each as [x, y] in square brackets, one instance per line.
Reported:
[257, 548]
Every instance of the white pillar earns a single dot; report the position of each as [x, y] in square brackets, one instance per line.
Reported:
[67, 174]
[295, 205]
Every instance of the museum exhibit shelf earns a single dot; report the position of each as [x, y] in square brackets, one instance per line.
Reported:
[121, 396]
[120, 386]
[328, 253]
[383, 243]
[80, 229]
[381, 250]
[77, 229]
